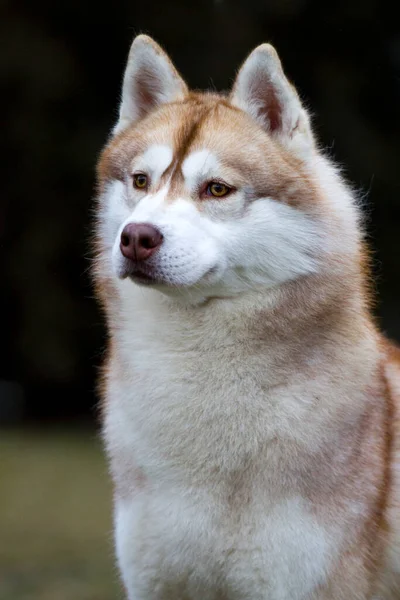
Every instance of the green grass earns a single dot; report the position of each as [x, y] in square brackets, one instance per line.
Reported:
[55, 518]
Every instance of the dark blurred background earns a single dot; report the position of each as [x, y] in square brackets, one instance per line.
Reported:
[61, 65]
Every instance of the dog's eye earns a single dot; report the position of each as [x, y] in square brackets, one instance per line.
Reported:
[140, 181]
[217, 189]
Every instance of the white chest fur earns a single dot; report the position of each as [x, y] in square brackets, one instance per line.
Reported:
[171, 547]
[218, 513]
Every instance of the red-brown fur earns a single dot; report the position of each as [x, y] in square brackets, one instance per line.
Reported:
[329, 310]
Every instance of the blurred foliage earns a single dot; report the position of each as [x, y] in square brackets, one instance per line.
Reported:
[55, 528]
[61, 65]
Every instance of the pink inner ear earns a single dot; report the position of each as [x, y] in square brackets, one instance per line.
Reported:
[269, 106]
[148, 90]
[274, 112]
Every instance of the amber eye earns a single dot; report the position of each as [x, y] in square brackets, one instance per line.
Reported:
[140, 181]
[217, 189]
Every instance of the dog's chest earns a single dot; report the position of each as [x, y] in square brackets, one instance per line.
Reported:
[168, 395]
[183, 411]
[189, 424]
[179, 545]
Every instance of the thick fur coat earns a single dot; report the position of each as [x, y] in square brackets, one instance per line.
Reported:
[251, 406]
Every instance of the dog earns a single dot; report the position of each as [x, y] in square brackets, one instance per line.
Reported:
[251, 406]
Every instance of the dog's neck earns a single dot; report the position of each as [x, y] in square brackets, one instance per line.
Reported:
[290, 320]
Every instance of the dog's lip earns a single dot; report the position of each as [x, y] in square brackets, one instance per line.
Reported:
[146, 274]
[142, 276]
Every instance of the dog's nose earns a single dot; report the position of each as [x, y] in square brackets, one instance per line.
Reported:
[139, 241]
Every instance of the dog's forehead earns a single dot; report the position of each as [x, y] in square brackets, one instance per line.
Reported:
[173, 126]
[204, 137]
[188, 128]
[196, 140]
[161, 161]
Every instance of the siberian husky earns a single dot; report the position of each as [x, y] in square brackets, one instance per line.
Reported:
[251, 406]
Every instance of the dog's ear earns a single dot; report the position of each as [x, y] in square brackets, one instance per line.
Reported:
[150, 80]
[262, 90]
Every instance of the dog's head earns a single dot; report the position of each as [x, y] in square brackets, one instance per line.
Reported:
[208, 195]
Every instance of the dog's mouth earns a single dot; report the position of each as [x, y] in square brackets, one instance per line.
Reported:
[143, 276]
[139, 273]
[147, 274]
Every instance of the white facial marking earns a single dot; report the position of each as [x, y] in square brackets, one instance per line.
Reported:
[155, 161]
[224, 248]
[116, 211]
[227, 249]
[146, 211]
[151, 207]
[199, 166]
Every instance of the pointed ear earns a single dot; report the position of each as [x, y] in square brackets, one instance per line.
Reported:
[262, 90]
[150, 80]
